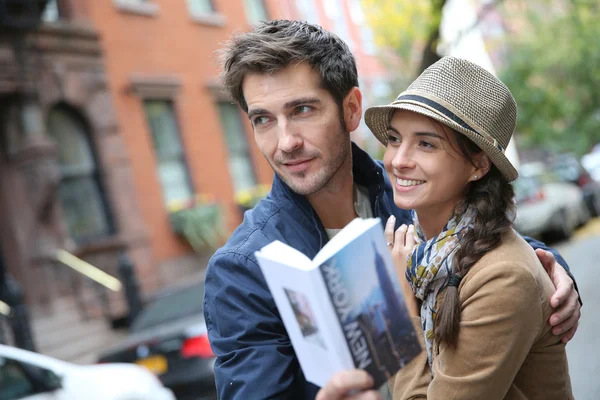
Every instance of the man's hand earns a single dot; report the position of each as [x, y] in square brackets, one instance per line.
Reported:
[566, 299]
[349, 385]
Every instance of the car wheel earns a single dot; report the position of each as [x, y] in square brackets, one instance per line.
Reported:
[585, 215]
[595, 206]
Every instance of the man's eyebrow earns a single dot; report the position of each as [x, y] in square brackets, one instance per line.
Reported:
[288, 105]
[256, 111]
[301, 101]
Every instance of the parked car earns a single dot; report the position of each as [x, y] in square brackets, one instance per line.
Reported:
[591, 163]
[546, 206]
[568, 169]
[169, 338]
[25, 375]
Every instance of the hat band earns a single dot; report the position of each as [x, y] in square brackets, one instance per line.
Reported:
[449, 114]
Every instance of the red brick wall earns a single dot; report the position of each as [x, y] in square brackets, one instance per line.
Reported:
[170, 43]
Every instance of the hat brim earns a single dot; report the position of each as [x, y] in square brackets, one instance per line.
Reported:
[378, 119]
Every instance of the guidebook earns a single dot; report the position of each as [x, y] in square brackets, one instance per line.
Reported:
[343, 309]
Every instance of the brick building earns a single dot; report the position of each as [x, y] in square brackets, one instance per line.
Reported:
[181, 136]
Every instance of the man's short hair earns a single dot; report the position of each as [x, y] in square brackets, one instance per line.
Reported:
[275, 45]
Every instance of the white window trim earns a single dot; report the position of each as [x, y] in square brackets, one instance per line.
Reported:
[212, 19]
[143, 8]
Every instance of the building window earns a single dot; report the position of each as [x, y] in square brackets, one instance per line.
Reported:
[172, 169]
[256, 11]
[133, 2]
[83, 203]
[240, 162]
[139, 7]
[201, 7]
[204, 12]
[51, 12]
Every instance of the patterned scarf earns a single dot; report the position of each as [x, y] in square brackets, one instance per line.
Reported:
[430, 265]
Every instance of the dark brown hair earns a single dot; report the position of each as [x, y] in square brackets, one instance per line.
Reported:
[493, 199]
[275, 45]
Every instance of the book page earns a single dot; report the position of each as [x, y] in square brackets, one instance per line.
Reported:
[364, 289]
[302, 301]
[354, 229]
[284, 254]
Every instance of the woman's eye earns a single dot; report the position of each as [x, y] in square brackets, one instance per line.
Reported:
[427, 145]
[392, 139]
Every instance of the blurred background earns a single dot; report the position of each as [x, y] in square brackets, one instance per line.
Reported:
[123, 166]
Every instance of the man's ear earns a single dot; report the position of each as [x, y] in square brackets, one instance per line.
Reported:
[352, 107]
[482, 166]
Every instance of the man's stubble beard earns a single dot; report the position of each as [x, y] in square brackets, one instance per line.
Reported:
[326, 172]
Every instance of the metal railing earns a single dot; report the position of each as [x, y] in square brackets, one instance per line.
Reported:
[87, 269]
[4, 309]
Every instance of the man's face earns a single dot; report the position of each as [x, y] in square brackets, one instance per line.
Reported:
[297, 126]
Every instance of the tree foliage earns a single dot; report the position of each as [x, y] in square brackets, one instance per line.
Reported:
[553, 70]
[408, 29]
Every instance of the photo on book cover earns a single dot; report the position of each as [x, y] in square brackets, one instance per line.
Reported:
[305, 317]
[364, 289]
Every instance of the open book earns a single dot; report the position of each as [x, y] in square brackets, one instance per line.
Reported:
[344, 309]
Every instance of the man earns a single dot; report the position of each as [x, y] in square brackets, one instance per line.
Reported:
[299, 87]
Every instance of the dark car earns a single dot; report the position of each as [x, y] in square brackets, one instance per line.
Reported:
[169, 338]
[568, 168]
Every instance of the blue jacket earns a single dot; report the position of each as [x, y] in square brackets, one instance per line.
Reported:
[255, 358]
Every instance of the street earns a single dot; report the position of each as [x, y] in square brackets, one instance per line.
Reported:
[582, 253]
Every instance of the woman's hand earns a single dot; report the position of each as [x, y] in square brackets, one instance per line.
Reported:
[401, 244]
[349, 385]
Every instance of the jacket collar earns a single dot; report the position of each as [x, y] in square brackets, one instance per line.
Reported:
[365, 170]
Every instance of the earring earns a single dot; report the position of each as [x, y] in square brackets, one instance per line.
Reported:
[475, 177]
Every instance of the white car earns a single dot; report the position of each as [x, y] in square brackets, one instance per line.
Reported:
[31, 376]
[546, 206]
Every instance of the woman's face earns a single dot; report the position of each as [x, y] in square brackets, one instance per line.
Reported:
[424, 165]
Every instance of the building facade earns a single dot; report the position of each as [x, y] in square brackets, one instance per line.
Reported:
[183, 137]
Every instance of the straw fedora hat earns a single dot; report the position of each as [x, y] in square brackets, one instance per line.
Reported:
[464, 97]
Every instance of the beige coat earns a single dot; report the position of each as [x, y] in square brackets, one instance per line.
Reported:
[506, 349]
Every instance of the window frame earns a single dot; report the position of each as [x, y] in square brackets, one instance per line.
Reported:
[95, 175]
[264, 7]
[145, 8]
[252, 167]
[182, 156]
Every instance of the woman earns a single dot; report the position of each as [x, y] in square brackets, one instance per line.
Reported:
[476, 288]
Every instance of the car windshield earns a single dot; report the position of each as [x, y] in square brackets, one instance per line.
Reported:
[179, 304]
[525, 188]
[567, 170]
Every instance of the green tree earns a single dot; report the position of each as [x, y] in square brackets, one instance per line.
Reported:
[408, 30]
[553, 70]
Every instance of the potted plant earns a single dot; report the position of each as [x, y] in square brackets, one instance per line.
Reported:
[199, 220]
[248, 198]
